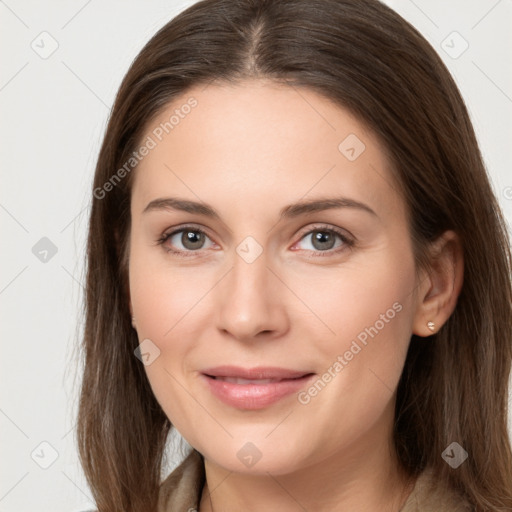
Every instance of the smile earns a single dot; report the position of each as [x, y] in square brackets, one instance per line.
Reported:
[253, 389]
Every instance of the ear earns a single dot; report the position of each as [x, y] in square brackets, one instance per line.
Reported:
[440, 285]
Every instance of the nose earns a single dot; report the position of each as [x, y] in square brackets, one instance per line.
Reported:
[251, 301]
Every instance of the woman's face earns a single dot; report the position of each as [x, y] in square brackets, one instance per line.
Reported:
[302, 283]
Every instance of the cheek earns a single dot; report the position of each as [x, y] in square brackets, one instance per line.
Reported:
[166, 303]
[361, 363]
[172, 308]
[369, 312]
[359, 302]
[162, 296]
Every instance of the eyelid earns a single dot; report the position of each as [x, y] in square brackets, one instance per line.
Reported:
[326, 227]
[191, 226]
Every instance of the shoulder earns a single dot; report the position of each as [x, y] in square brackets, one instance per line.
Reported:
[181, 490]
[429, 495]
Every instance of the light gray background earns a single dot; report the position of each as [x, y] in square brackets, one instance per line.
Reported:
[53, 115]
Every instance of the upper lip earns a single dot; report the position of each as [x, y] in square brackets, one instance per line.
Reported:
[259, 372]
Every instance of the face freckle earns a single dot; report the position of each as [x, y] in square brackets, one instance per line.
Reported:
[294, 253]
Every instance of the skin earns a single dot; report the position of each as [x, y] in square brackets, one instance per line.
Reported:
[248, 150]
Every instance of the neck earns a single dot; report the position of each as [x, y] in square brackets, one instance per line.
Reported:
[362, 477]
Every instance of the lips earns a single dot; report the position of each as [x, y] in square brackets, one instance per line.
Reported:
[253, 388]
[258, 373]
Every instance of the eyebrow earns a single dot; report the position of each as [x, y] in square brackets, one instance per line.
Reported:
[288, 212]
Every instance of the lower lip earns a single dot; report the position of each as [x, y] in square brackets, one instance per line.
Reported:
[254, 396]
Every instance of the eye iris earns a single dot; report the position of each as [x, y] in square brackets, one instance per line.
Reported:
[192, 239]
[323, 240]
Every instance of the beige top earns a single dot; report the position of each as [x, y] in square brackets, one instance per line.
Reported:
[181, 491]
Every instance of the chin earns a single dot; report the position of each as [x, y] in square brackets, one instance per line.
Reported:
[254, 458]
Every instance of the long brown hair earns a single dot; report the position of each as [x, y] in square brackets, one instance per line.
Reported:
[366, 58]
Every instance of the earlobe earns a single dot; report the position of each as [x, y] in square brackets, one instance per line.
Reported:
[438, 296]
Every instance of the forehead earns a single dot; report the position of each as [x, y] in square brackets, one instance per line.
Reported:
[278, 143]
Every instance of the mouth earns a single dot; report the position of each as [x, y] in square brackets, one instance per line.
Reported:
[260, 373]
[236, 380]
[254, 388]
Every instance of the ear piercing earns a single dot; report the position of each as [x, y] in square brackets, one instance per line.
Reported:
[133, 322]
[431, 326]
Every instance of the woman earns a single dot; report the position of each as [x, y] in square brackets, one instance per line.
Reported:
[295, 259]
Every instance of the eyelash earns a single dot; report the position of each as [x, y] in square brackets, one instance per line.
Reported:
[347, 242]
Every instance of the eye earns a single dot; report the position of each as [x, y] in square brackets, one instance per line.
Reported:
[185, 239]
[325, 239]
[322, 239]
